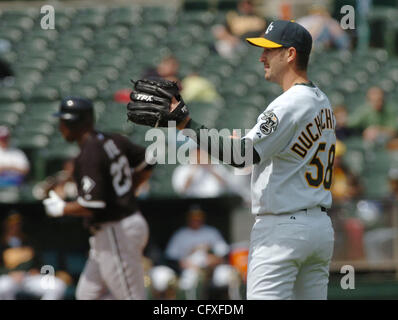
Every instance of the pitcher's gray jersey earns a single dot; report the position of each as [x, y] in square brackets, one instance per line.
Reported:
[295, 139]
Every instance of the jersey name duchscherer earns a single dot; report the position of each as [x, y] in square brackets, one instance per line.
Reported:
[295, 139]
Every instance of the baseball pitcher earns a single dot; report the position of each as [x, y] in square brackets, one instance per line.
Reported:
[291, 148]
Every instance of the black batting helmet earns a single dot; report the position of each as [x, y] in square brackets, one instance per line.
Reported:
[75, 109]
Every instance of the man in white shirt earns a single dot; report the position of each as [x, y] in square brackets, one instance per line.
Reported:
[14, 165]
[195, 247]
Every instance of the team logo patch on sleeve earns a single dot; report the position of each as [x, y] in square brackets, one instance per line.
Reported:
[270, 123]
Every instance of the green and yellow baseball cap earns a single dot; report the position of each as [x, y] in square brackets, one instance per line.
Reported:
[283, 33]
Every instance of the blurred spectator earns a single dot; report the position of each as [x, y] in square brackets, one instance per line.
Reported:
[244, 22]
[377, 120]
[238, 25]
[226, 45]
[346, 185]
[197, 88]
[393, 184]
[342, 130]
[61, 182]
[201, 179]
[167, 69]
[196, 250]
[196, 236]
[20, 266]
[326, 32]
[14, 166]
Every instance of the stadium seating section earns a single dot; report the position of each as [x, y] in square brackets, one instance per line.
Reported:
[96, 51]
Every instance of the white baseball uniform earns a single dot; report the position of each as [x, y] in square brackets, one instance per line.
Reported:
[292, 239]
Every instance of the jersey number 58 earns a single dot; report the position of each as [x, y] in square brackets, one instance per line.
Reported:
[321, 176]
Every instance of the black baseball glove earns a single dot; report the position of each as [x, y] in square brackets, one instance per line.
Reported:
[151, 100]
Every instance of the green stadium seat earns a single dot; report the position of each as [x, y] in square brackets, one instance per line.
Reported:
[203, 17]
[86, 91]
[376, 185]
[10, 95]
[22, 23]
[47, 55]
[250, 79]
[11, 34]
[92, 21]
[59, 150]
[111, 60]
[161, 184]
[224, 71]
[205, 113]
[98, 83]
[73, 62]
[354, 100]
[85, 33]
[379, 162]
[118, 31]
[67, 43]
[24, 128]
[106, 44]
[44, 94]
[34, 45]
[124, 18]
[68, 74]
[10, 57]
[9, 119]
[86, 53]
[30, 142]
[107, 72]
[344, 56]
[114, 119]
[47, 35]
[62, 22]
[35, 64]
[179, 40]
[161, 14]
[125, 52]
[256, 100]
[18, 13]
[42, 107]
[56, 82]
[16, 107]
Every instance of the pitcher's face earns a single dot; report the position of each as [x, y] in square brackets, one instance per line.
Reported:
[275, 63]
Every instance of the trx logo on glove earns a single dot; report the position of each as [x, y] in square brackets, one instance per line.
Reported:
[144, 97]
